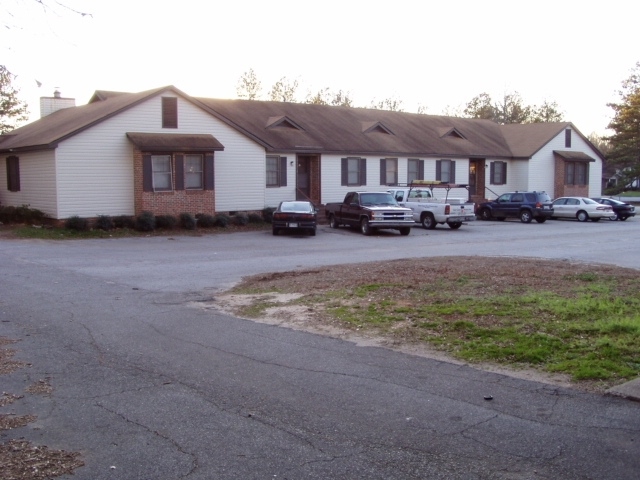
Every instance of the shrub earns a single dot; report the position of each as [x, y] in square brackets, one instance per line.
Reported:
[241, 219]
[267, 214]
[166, 221]
[206, 221]
[255, 217]
[187, 221]
[124, 221]
[104, 222]
[7, 214]
[28, 215]
[76, 223]
[222, 220]
[145, 222]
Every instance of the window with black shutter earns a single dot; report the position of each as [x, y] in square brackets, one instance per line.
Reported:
[13, 174]
[354, 171]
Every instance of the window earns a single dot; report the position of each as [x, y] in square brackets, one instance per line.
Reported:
[576, 173]
[567, 138]
[498, 173]
[388, 171]
[193, 172]
[354, 171]
[446, 171]
[415, 170]
[161, 168]
[276, 171]
[169, 112]
[13, 174]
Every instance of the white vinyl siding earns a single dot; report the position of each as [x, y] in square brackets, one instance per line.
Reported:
[37, 182]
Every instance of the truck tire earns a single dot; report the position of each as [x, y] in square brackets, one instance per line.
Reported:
[454, 225]
[365, 227]
[484, 214]
[525, 216]
[405, 230]
[275, 231]
[427, 221]
[333, 223]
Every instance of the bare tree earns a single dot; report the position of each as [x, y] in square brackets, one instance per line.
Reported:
[391, 104]
[284, 90]
[249, 86]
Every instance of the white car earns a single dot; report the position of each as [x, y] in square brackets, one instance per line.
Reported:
[580, 208]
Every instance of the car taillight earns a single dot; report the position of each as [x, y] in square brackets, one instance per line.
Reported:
[538, 205]
[447, 209]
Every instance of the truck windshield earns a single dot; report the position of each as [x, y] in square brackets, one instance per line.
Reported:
[377, 199]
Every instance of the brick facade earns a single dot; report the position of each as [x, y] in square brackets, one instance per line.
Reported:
[169, 203]
[559, 187]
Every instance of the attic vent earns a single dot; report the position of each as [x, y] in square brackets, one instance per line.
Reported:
[283, 122]
[375, 127]
[450, 132]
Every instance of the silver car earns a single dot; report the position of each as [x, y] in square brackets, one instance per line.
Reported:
[580, 208]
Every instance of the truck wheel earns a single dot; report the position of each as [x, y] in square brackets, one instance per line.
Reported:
[275, 231]
[428, 221]
[454, 225]
[485, 214]
[525, 216]
[332, 221]
[405, 230]
[365, 228]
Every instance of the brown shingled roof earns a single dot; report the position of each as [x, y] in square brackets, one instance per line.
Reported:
[175, 142]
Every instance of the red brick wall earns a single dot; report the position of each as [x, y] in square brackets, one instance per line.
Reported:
[562, 190]
[169, 203]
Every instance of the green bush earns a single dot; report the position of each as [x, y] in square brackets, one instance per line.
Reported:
[28, 215]
[104, 222]
[267, 214]
[7, 214]
[255, 217]
[206, 221]
[187, 221]
[167, 222]
[76, 223]
[241, 219]
[124, 221]
[145, 222]
[222, 220]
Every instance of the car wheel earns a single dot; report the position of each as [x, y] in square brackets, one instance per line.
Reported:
[454, 225]
[333, 223]
[365, 227]
[275, 231]
[582, 216]
[525, 216]
[541, 219]
[428, 221]
[405, 230]
[485, 214]
[614, 217]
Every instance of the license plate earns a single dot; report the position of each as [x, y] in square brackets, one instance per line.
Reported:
[293, 225]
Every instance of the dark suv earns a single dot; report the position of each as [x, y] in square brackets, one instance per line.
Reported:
[523, 205]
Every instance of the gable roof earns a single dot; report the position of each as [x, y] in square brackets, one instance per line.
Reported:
[48, 131]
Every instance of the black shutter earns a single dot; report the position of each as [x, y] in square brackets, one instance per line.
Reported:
[421, 169]
[383, 171]
[452, 174]
[179, 172]
[438, 169]
[492, 172]
[363, 171]
[344, 177]
[504, 173]
[169, 112]
[147, 174]
[209, 177]
[13, 174]
[283, 171]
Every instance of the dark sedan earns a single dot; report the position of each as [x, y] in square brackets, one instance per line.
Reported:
[621, 210]
[295, 215]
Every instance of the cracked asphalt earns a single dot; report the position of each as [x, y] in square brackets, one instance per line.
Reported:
[147, 387]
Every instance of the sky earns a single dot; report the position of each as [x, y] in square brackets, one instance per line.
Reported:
[434, 55]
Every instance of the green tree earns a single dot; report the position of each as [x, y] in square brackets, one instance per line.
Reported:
[480, 106]
[284, 90]
[625, 141]
[249, 86]
[13, 111]
[546, 113]
[511, 109]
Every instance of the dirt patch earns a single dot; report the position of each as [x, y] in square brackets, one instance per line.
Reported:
[488, 274]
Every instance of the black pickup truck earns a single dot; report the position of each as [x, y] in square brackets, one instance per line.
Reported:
[370, 211]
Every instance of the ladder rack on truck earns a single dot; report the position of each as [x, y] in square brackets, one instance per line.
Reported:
[430, 184]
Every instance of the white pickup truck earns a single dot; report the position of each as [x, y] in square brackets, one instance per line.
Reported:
[430, 211]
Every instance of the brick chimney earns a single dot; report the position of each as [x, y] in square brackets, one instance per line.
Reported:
[48, 105]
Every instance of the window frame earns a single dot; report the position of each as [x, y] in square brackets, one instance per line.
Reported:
[169, 112]
[415, 166]
[576, 174]
[351, 166]
[385, 171]
[451, 170]
[498, 173]
[13, 173]
[278, 174]
[168, 172]
[192, 173]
